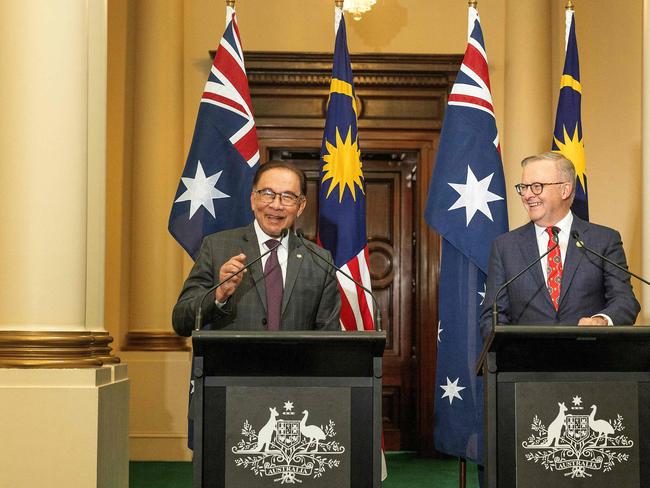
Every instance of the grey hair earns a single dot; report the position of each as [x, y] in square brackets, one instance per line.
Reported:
[564, 165]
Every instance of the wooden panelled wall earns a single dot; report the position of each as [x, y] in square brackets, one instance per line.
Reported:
[402, 100]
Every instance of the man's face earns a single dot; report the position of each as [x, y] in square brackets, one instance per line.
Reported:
[550, 206]
[274, 216]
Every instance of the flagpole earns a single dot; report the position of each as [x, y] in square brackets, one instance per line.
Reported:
[338, 12]
[230, 4]
[462, 462]
[569, 10]
[645, 158]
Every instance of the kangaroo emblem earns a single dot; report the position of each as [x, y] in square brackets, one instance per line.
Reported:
[555, 427]
[266, 432]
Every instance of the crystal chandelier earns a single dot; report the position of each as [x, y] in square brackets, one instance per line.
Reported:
[358, 7]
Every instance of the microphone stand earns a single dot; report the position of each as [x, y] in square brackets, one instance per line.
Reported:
[495, 313]
[301, 236]
[199, 315]
[581, 245]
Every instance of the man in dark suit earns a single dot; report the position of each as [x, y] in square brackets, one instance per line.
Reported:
[289, 289]
[570, 286]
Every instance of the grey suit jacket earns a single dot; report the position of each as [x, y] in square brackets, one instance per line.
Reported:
[589, 285]
[311, 297]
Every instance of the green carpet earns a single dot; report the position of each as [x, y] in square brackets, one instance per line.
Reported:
[405, 470]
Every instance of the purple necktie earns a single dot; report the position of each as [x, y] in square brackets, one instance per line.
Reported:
[274, 287]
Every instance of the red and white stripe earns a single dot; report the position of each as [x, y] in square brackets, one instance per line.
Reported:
[357, 309]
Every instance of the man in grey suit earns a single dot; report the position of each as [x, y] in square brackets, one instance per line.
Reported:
[289, 289]
[571, 286]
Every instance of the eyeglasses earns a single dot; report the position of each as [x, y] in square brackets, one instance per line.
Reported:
[287, 198]
[536, 187]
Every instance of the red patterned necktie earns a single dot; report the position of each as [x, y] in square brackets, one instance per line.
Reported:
[553, 267]
[274, 287]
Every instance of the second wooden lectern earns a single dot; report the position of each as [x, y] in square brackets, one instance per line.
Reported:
[567, 407]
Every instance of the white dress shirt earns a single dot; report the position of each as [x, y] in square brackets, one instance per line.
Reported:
[283, 249]
[563, 237]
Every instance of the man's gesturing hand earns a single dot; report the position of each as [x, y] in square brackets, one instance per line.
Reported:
[231, 266]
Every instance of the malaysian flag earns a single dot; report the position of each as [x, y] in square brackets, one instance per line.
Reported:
[214, 191]
[342, 211]
[467, 206]
[567, 136]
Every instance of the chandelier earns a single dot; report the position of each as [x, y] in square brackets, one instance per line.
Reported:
[358, 7]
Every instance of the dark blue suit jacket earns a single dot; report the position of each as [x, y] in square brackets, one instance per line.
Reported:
[589, 284]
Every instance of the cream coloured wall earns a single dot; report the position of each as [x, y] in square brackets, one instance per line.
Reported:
[525, 44]
[611, 78]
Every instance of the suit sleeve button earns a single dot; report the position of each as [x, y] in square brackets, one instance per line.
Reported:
[264, 321]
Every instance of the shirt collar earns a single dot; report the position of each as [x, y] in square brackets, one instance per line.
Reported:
[564, 225]
[262, 237]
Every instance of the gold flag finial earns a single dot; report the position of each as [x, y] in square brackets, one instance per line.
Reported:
[230, 3]
[569, 6]
[472, 3]
[338, 3]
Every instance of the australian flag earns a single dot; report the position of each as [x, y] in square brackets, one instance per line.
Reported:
[467, 207]
[342, 204]
[567, 135]
[214, 191]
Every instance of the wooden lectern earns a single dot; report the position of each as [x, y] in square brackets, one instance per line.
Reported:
[273, 408]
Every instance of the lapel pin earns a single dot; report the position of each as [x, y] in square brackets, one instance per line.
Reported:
[299, 256]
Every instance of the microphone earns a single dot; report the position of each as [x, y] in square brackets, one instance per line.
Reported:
[495, 313]
[301, 236]
[199, 314]
[581, 245]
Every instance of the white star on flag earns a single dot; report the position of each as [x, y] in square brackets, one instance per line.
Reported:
[439, 330]
[201, 191]
[482, 294]
[474, 196]
[451, 390]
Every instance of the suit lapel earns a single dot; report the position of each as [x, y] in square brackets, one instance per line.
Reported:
[251, 249]
[294, 264]
[530, 253]
[572, 259]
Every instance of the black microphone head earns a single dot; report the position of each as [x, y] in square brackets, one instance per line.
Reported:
[555, 230]
[284, 233]
[576, 237]
[300, 233]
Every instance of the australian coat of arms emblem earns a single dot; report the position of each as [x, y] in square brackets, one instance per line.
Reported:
[578, 443]
[288, 447]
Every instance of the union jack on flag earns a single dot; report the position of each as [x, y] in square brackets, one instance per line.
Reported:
[214, 191]
[466, 205]
[342, 210]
